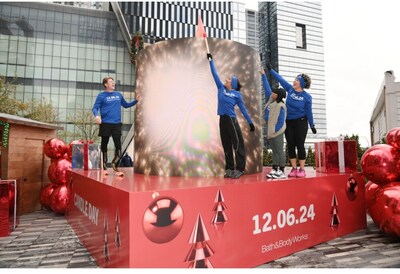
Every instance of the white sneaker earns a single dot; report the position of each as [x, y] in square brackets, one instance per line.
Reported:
[271, 174]
[279, 175]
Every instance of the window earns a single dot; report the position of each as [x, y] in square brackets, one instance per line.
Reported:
[301, 36]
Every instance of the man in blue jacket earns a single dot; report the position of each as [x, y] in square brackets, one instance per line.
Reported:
[107, 112]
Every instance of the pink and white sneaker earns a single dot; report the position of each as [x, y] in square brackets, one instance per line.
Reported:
[301, 173]
[293, 172]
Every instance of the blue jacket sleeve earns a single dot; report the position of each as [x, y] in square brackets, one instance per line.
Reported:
[309, 114]
[244, 110]
[96, 105]
[267, 87]
[280, 79]
[215, 75]
[126, 104]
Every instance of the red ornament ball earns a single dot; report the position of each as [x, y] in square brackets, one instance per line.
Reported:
[370, 191]
[386, 210]
[381, 164]
[45, 194]
[57, 171]
[162, 220]
[59, 199]
[54, 148]
[393, 137]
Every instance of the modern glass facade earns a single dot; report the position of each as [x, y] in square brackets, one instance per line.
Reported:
[61, 54]
[170, 20]
[252, 29]
[291, 39]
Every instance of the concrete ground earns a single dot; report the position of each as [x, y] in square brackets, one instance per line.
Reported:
[44, 239]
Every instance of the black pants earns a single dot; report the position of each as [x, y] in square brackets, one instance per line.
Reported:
[296, 133]
[232, 142]
[113, 130]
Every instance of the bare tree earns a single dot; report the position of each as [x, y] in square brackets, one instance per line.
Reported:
[8, 103]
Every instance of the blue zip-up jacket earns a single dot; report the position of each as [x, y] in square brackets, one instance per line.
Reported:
[268, 92]
[228, 99]
[299, 104]
[109, 105]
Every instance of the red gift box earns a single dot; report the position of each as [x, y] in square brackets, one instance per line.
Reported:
[336, 156]
[86, 155]
[8, 206]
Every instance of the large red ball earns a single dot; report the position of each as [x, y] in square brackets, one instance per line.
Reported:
[393, 137]
[59, 199]
[370, 191]
[54, 148]
[381, 164]
[386, 209]
[57, 171]
[45, 194]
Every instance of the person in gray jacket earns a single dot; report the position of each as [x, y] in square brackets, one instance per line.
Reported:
[275, 116]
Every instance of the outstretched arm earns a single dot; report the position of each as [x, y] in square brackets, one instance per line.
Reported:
[279, 78]
[214, 73]
[126, 104]
[267, 87]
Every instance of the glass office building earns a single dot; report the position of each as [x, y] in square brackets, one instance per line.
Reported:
[291, 39]
[60, 54]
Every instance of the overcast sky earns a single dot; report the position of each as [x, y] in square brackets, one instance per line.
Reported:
[361, 42]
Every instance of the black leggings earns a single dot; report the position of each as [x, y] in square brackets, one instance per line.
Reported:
[105, 139]
[233, 143]
[296, 133]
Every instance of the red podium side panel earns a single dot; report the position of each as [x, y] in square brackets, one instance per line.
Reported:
[149, 221]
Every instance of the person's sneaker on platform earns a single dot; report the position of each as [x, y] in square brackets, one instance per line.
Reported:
[301, 173]
[272, 172]
[279, 175]
[236, 174]
[228, 173]
[293, 172]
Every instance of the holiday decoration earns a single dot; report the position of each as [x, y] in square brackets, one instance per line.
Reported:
[106, 252]
[380, 164]
[59, 199]
[352, 188]
[8, 206]
[45, 195]
[335, 220]
[336, 156]
[370, 190]
[55, 148]
[57, 171]
[200, 250]
[86, 155]
[137, 44]
[163, 220]
[69, 148]
[393, 137]
[6, 132]
[385, 211]
[55, 195]
[218, 210]
[117, 239]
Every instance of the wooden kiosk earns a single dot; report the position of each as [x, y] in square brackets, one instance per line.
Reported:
[22, 157]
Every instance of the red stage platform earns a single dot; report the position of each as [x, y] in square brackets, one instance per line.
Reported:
[152, 221]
